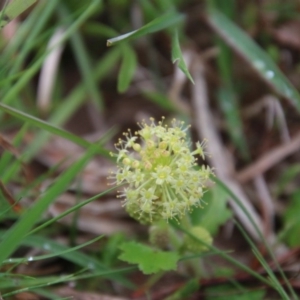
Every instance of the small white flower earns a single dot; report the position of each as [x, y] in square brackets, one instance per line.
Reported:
[162, 174]
[162, 182]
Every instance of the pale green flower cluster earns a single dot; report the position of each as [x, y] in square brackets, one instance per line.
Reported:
[159, 171]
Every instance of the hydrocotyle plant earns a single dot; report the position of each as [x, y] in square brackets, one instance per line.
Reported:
[159, 173]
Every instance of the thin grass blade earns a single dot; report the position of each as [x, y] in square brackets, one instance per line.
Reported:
[14, 9]
[12, 237]
[30, 72]
[43, 125]
[84, 63]
[256, 56]
[74, 100]
[52, 255]
[162, 22]
[177, 56]
[128, 67]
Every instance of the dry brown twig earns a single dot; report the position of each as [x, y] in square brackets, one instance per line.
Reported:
[269, 160]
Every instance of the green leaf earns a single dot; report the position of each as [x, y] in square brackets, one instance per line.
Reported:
[256, 56]
[215, 213]
[14, 9]
[149, 260]
[177, 56]
[128, 67]
[162, 22]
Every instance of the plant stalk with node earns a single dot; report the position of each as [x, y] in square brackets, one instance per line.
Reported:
[162, 182]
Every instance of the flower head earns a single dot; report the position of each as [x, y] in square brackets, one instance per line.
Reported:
[159, 170]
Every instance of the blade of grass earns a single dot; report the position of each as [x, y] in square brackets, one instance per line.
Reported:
[177, 56]
[28, 74]
[11, 171]
[29, 41]
[128, 67]
[227, 95]
[70, 210]
[50, 128]
[14, 9]
[70, 254]
[83, 62]
[34, 283]
[6, 157]
[78, 95]
[162, 22]
[73, 101]
[223, 254]
[46, 256]
[257, 57]
[78, 258]
[15, 52]
[263, 262]
[22, 33]
[13, 236]
[240, 204]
